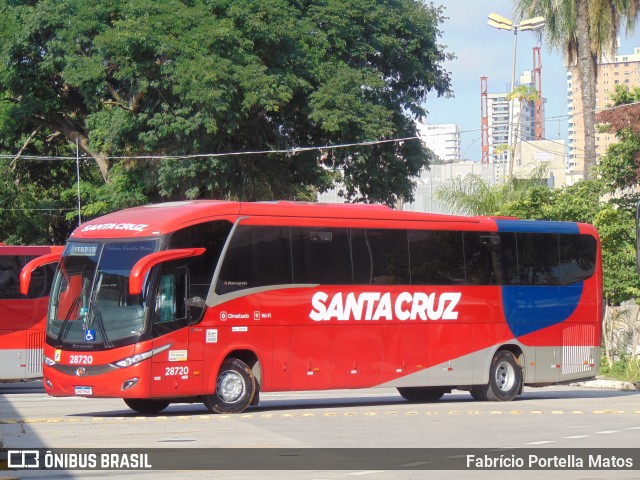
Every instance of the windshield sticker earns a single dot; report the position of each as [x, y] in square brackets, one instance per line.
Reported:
[177, 355]
[132, 227]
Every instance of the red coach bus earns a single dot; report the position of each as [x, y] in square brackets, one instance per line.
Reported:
[22, 317]
[218, 301]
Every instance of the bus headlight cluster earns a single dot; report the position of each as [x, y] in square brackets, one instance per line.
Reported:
[134, 359]
[48, 362]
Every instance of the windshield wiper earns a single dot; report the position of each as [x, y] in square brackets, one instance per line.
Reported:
[97, 317]
[64, 328]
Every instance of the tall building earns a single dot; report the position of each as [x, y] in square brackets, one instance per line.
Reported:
[443, 140]
[622, 69]
[523, 117]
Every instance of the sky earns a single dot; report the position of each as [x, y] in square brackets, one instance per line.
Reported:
[482, 50]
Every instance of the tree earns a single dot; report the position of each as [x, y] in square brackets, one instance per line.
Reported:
[472, 195]
[620, 166]
[171, 77]
[584, 29]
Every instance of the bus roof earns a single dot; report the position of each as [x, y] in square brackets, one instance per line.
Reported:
[163, 218]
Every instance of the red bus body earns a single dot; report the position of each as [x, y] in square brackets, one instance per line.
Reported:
[22, 316]
[297, 296]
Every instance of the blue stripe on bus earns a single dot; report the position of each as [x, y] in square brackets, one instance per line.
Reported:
[536, 226]
[531, 308]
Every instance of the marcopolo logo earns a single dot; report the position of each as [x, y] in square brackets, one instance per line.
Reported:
[385, 306]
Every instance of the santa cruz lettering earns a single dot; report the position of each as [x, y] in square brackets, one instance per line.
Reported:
[382, 306]
[133, 227]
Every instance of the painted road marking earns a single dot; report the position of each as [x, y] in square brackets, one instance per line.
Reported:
[270, 416]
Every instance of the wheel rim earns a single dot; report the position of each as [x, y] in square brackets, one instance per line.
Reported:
[505, 376]
[230, 386]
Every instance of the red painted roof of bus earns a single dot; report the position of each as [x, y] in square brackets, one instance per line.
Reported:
[163, 218]
[158, 219]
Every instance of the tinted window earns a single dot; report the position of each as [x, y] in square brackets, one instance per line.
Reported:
[10, 266]
[212, 236]
[436, 257]
[321, 255]
[538, 259]
[170, 306]
[577, 258]
[490, 258]
[41, 279]
[380, 256]
[257, 256]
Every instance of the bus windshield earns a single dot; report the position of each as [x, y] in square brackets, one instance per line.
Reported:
[90, 301]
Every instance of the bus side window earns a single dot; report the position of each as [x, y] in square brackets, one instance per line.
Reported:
[490, 258]
[577, 258]
[257, 256]
[41, 279]
[170, 302]
[10, 267]
[380, 256]
[538, 258]
[321, 255]
[436, 257]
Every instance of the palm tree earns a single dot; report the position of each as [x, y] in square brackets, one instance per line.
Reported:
[584, 29]
[472, 195]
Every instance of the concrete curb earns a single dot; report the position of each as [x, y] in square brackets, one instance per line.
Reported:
[604, 383]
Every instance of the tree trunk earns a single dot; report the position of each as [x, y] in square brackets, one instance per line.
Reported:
[73, 134]
[588, 70]
[607, 333]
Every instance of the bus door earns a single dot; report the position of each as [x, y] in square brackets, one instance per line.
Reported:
[177, 371]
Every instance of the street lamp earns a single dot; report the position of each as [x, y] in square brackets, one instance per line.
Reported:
[501, 23]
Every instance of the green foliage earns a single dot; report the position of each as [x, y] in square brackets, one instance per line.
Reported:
[620, 165]
[36, 195]
[170, 77]
[625, 368]
[615, 226]
[472, 195]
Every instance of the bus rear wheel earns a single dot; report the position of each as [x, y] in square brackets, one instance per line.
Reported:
[235, 388]
[505, 379]
[146, 406]
[421, 394]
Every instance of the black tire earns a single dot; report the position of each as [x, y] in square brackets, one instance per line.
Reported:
[421, 394]
[505, 379]
[235, 388]
[146, 406]
[479, 393]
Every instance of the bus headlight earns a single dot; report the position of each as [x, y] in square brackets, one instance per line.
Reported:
[134, 359]
[48, 362]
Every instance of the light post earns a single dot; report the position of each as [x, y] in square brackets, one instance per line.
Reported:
[501, 23]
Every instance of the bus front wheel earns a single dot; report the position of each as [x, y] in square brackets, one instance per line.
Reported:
[146, 406]
[235, 388]
[505, 379]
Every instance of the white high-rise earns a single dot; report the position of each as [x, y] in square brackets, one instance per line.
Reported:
[443, 140]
